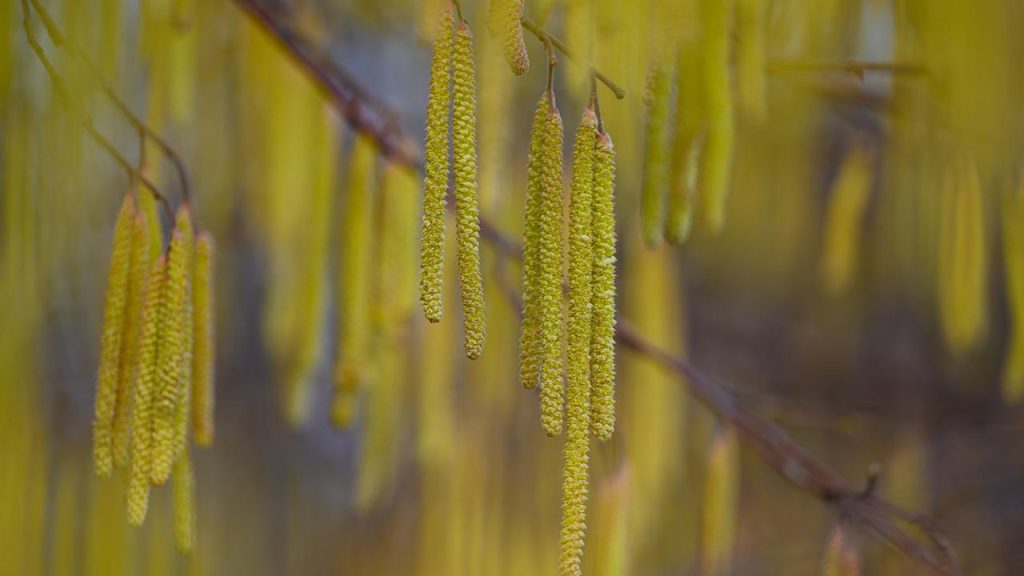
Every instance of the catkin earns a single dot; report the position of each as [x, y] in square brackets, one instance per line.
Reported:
[435, 185]
[141, 266]
[142, 417]
[843, 220]
[512, 36]
[602, 351]
[529, 341]
[1013, 256]
[183, 497]
[652, 199]
[717, 19]
[721, 492]
[110, 341]
[467, 206]
[172, 355]
[355, 283]
[550, 294]
[577, 447]
[203, 398]
[687, 140]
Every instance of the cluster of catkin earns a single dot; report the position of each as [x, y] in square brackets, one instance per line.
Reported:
[156, 359]
[697, 154]
[451, 120]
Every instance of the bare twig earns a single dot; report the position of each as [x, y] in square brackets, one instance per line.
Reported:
[911, 534]
[539, 32]
[61, 40]
[62, 93]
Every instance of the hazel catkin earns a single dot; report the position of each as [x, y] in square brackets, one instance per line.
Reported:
[717, 159]
[687, 141]
[467, 206]
[512, 36]
[652, 199]
[110, 341]
[529, 341]
[435, 185]
[552, 391]
[602, 351]
[203, 397]
[183, 498]
[575, 482]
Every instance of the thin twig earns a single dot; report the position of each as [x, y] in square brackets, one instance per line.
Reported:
[539, 32]
[901, 529]
[86, 121]
[61, 40]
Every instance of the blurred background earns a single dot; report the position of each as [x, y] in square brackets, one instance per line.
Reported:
[866, 291]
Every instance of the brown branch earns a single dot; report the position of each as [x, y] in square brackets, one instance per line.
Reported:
[539, 32]
[909, 533]
[62, 41]
[62, 94]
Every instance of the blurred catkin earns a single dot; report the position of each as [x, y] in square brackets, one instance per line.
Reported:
[721, 495]
[844, 220]
[435, 184]
[750, 59]
[355, 282]
[183, 496]
[602, 351]
[113, 332]
[142, 417]
[550, 293]
[577, 446]
[1013, 258]
[467, 202]
[687, 141]
[529, 342]
[659, 107]
[512, 36]
[714, 186]
[141, 266]
[172, 349]
[203, 397]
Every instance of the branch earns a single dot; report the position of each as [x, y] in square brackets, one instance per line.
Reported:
[545, 37]
[62, 41]
[907, 532]
[86, 121]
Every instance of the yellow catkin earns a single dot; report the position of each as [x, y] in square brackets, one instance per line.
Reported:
[652, 199]
[435, 185]
[148, 207]
[843, 220]
[203, 398]
[721, 493]
[110, 341]
[690, 122]
[512, 37]
[750, 62]
[529, 341]
[142, 264]
[602, 346]
[355, 282]
[610, 535]
[172, 353]
[1013, 256]
[467, 207]
[550, 298]
[183, 497]
[145, 383]
[575, 483]
[841, 556]
[717, 19]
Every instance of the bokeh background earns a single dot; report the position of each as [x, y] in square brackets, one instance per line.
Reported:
[827, 303]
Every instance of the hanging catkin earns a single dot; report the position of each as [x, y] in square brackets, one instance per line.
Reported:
[602, 351]
[844, 220]
[183, 497]
[467, 206]
[529, 341]
[721, 492]
[355, 282]
[717, 19]
[142, 417]
[435, 185]
[577, 446]
[512, 36]
[652, 200]
[113, 333]
[1013, 257]
[172, 354]
[687, 141]
[203, 397]
[550, 294]
[140, 269]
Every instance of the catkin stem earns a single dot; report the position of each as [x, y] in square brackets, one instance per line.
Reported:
[467, 208]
